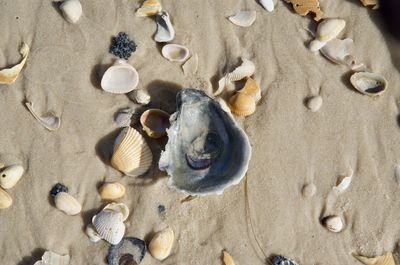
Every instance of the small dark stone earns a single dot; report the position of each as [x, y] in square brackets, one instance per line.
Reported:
[57, 189]
[161, 209]
[122, 46]
[282, 260]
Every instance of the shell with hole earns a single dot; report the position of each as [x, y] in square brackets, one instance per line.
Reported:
[9, 176]
[161, 244]
[9, 75]
[109, 226]
[5, 199]
[149, 8]
[130, 250]
[71, 10]
[242, 104]
[155, 122]
[131, 154]
[112, 191]
[67, 203]
[369, 84]
[120, 78]
[175, 52]
[51, 258]
[252, 89]
[50, 120]
[327, 30]
[244, 18]
[386, 259]
[165, 31]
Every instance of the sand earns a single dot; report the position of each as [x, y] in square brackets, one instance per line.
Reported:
[266, 213]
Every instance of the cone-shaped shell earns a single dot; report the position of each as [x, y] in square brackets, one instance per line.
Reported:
[109, 226]
[252, 89]
[5, 199]
[149, 8]
[370, 84]
[66, 203]
[161, 244]
[120, 78]
[386, 259]
[242, 104]
[131, 155]
[155, 122]
[329, 29]
[10, 176]
[112, 191]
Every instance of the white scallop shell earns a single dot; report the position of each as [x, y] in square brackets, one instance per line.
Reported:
[68, 204]
[175, 52]
[165, 31]
[118, 208]
[244, 18]
[50, 120]
[109, 226]
[71, 10]
[10, 176]
[369, 84]
[51, 258]
[9, 75]
[267, 4]
[120, 78]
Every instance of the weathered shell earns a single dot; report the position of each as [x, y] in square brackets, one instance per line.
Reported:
[165, 31]
[344, 182]
[120, 78]
[123, 118]
[71, 10]
[267, 4]
[333, 223]
[386, 259]
[244, 18]
[175, 52]
[131, 154]
[140, 96]
[5, 199]
[369, 2]
[282, 260]
[155, 122]
[314, 103]
[109, 226]
[370, 84]
[50, 120]
[112, 191]
[242, 104]
[252, 89]
[92, 234]
[9, 176]
[149, 8]
[191, 65]
[51, 258]
[303, 7]
[202, 139]
[227, 258]
[118, 208]
[329, 28]
[161, 244]
[66, 203]
[9, 75]
[130, 251]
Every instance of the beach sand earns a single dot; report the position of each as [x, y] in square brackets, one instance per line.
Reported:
[266, 213]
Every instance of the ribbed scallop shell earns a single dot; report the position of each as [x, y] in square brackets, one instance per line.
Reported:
[131, 155]
[109, 226]
[242, 104]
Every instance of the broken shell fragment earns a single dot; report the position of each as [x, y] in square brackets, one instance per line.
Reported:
[10, 176]
[71, 10]
[51, 258]
[112, 191]
[252, 89]
[304, 7]
[191, 65]
[227, 258]
[282, 260]
[386, 259]
[244, 18]
[314, 103]
[120, 78]
[130, 250]
[9, 75]
[242, 104]
[333, 223]
[165, 31]
[67, 204]
[50, 120]
[370, 2]
[5, 199]
[155, 122]
[109, 225]
[140, 96]
[369, 84]
[175, 52]
[161, 244]
[131, 154]
[92, 234]
[149, 8]
[118, 208]
[267, 4]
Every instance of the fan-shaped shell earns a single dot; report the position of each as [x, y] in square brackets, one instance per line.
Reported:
[165, 31]
[120, 78]
[130, 250]
[149, 8]
[131, 155]
[112, 191]
[175, 52]
[71, 10]
[161, 244]
[109, 226]
[370, 84]
[242, 104]
[252, 89]
[51, 258]
[5, 199]
[244, 18]
[155, 122]
[66, 203]
[118, 208]
[10, 176]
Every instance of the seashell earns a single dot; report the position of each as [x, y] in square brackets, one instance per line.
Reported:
[149, 8]
[267, 4]
[10, 176]
[161, 244]
[175, 52]
[112, 191]
[140, 96]
[333, 223]
[120, 78]
[9, 75]
[244, 18]
[370, 2]
[130, 250]
[370, 84]
[124, 116]
[242, 104]
[309, 190]
[282, 260]
[109, 226]
[191, 65]
[344, 183]
[131, 154]
[71, 10]
[50, 121]
[314, 103]
[155, 122]
[165, 31]
[118, 208]
[386, 259]
[397, 173]
[51, 258]
[66, 203]
[92, 234]
[329, 28]
[252, 89]
[304, 7]
[5, 199]
[202, 139]
[227, 258]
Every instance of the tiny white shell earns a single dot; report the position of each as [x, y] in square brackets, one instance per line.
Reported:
[244, 18]
[175, 52]
[50, 121]
[118, 208]
[161, 244]
[344, 183]
[120, 78]
[267, 4]
[92, 234]
[109, 226]
[333, 223]
[51, 258]
[10, 176]
[314, 103]
[68, 204]
[165, 31]
[140, 96]
[191, 65]
[369, 84]
[71, 10]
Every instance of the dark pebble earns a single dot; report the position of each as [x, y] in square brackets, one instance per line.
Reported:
[122, 46]
[57, 189]
[282, 260]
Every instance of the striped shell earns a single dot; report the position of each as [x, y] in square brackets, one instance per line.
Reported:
[109, 226]
[242, 104]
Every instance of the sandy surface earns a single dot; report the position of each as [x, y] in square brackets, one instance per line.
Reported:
[265, 214]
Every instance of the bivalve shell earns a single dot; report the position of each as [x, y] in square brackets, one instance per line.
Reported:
[161, 244]
[118, 208]
[165, 31]
[112, 191]
[149, 8]
[10, 176]
[369, 84]
[242, 104]
[227, 258]
[244, 18]
[10, 75]
[329, 28]
[109, 226]
[155, 122]
[5, 199]
[68, 204]
[120, 78]
[92, 234]
[333, 223]
[175, 52]
[252, 89]
[267, 4]
[71, 10]
[314, 103]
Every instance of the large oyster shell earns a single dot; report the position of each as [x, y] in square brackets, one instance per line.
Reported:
[206, 150]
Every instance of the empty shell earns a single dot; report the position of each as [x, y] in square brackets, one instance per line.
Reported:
[242, 104]
[267, 4]
[252, 89]
[191, 65]
[369, 84]
[9, 75]
[165, 31]
[314, 103]
[51, 258]
[329, 28]
[161, 244]
[175, 52]
[68, 204]
[118, 208]
[109, 226]
[71, 10]
[49, 120]
[227, 258]
[120, 78]
[244, 18]
[112, 191]
[9, 176]
[333, 223]
[155, 122]
[92, 234]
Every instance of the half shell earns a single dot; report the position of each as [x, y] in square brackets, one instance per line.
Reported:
[155, 122]
[267, 4]
[206, 151]
[50, 120]
[149, 8]
[131, 155]
[251, 89]
[165, 31]
[51, 258]
[227, 258]
[333, 223]
[109, 226]
[68, 204]
[175, 52]
[161, 244]
[191, 65]
[120, 78]
[370, 84]
[71, 10]
[9, 75]
[130, 250]
[112, 191]
[242, 104]
[386, 259]
[303, 7]
[9, 176]
[244, 18]
[329, 28]
[5, 199]
[118, 208]
[140, 96]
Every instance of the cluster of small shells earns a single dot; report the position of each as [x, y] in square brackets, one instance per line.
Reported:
[9, 176]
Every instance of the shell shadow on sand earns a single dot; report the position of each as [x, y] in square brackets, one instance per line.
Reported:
[36, 255]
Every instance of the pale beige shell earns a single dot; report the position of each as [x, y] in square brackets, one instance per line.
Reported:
[120, 78]
[50, 121]
[252, 89]
[5, 199]
[131, 155]
[386, 259]
[140, 96]
[67, 203]
[149, 8]
[10, 176]
[175, 52]
[118, 208]
[314, 103]
[244, 18]
[109, 226]
[51, 258]
[227, 258]
[161, 244]
[112, 191]
[92, 234]
[369, 84]
[242, 104]
[329, 28]
[333, 223]
[71, 10]
[304, 7]
[9, 75]
[155, 122]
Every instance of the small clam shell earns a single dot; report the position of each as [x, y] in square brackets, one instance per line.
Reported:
[175, 52]
[191, 65]
[149, 8]
[386, 259]
[267, 4]
[10, 176]
[244, 18]
[50, 121]
[71, 10]
[370, 84]
[5, 199]
[120, 78]
[329, 28]
[109, 226]
[252, 89]
[333, 223]
[161, 244]
[155, 122]
[92, 234]
[112, 191]
[242, 104]
[51, 258]
[68, 204]
[165, 31]
[314, 103]
[227, 258]
[140, 96]
[316, 45]
[9, 75]
[118, 208]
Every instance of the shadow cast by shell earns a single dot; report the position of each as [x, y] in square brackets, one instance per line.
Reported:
[36, 255]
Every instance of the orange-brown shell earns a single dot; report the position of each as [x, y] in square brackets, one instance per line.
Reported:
[242, 104]
[303, 7]
[386, 259]
[252, 89]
